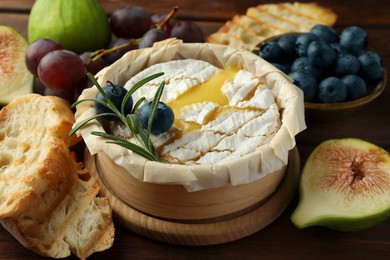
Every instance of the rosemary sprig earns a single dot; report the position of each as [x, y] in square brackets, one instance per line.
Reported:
[131, 121]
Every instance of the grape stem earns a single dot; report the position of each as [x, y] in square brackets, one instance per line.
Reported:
[101, 52]
[168, 17]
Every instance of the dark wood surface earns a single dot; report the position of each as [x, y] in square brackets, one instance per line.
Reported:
[281, 239]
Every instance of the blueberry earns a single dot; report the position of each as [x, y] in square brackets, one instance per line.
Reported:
[305, 64]
[338, 48]
[371, 66]
[354, 39]
[307, 83]
[271, 51]
[325, 33]
[346, 64]
[321, 54]
[163, 118]
[116, 93]
[356, 86]
[287, 43]
[332, 90]
[303, 42]
[283, 66]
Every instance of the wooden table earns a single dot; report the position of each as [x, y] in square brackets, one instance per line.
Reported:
[280, 239]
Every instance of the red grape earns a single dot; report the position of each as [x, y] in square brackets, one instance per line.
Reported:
[84, 83]
[113, 56]
[38, 86]
[64, 94]
[92, 66]
[187, 31]
[37, 49]
[130, 22]
[152, 36]
[157, 19]
[61, 70]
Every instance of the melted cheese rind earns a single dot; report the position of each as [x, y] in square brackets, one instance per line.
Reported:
[179, 77]
[249, 118]
[182, 155]
[231, 121]
[198, 112]
[205, 142]
[262, 99]
[217, 157]
[265, 125]
[238, 89]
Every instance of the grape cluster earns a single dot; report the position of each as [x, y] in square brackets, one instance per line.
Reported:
[63, 72]
[329, 67]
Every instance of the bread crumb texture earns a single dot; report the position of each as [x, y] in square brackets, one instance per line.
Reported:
[48, 201]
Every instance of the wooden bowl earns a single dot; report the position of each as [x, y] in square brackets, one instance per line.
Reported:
[316, 111]
[329, 111]
[175, 202]
[209, 231]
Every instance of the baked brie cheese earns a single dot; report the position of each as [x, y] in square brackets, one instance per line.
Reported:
[221, 114]
[236, 116]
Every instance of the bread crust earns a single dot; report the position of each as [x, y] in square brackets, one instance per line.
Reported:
[46, 195]
[268, 20]
[34, 156]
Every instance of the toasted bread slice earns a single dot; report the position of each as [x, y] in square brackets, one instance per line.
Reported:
[80, 223]
[268, 20]
[34, 150]
[48, 201]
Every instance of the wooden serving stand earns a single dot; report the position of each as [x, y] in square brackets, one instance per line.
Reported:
[203, 231]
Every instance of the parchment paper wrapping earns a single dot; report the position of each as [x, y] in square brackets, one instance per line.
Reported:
[266, 159]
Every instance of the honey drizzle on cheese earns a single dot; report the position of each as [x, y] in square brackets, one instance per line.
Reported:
[222, 114]
[210, 90]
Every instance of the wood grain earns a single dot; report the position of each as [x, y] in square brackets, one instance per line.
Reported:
[174, 201]
[221, 229]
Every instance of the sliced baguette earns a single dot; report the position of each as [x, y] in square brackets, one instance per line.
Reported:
[80, 224]
[55, 209]
[34, 148]
[268, 20]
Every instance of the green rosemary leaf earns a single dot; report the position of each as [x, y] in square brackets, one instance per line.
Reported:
[154, 105]
[105, 135]
[136, 105]
[132, 122]
[105, 96]
[137, 86]
[81, 101]
[146, 149]
[144, 136]
[140, 133]
[143, 82]
[124, 143]
[94, 81]
[82, 123]
[139, 150]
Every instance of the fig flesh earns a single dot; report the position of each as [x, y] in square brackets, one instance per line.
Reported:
[16, 79]
[345, 186]
[78, 25]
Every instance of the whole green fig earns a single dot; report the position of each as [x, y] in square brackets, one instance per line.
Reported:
[80, 25]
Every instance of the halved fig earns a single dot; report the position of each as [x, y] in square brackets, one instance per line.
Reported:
[345, 185]
[16, 80]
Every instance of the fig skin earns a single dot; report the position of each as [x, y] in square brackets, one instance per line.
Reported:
[79, 25]
[345, 186]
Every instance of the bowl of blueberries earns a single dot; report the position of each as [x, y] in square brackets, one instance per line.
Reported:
[337, 72]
